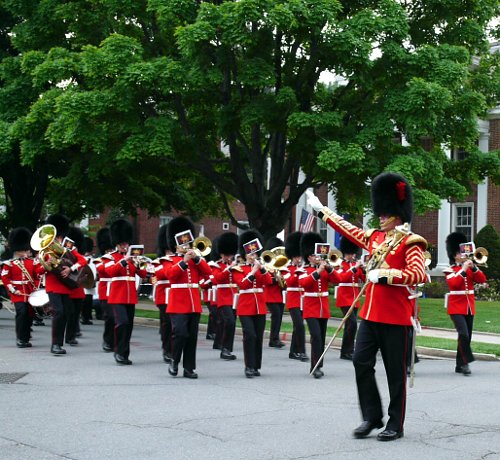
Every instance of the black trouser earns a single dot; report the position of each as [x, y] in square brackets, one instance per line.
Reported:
[124, 324]
[219, 330]
[165, 329]
[317, 331]
[108, 336]
[185, 338]
[87, 308]
[276, 310]
[228, 320]
[23, 321]
[392, 341]
[211, 324]
[253, 337]
[350, 329]
[463, 325]
[73, 324]
[298, 343]
[62, 306]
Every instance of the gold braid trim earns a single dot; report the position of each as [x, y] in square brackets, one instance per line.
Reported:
[416, 239]
[390, 274]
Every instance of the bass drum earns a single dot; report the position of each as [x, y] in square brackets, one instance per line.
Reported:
[38, 298]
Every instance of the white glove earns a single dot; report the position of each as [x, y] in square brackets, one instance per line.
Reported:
[313, 201]
[373, 275]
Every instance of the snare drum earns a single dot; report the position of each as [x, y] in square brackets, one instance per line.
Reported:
[38, 298]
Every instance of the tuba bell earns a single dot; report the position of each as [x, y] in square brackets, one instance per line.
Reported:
[202, 246]
[334, 258]
[275, 258]
[44, 242]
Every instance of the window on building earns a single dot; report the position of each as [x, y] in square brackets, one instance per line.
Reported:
[165, 220]
[459, 154]
[321, 228]
[225, 226]
[464, 219]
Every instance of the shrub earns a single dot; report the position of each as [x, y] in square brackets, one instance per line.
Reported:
[488, 291]
[435, 289]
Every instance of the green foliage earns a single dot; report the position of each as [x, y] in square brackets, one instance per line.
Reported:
[488, 238]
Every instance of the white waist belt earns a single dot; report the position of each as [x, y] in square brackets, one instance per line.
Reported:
[123, 278]
[185, 285]
[226, 286]
[347, 285]
[461, 292]
[316, 294]
[105, 280]
[163, 282]
[251, 291]
[294, 289]
[20, 282]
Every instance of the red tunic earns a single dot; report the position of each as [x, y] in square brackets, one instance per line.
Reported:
[103, 279]
[14, 278]
[162, 285]
[53, 282]
[122, 287]
[348, 287]
[461, 296]
[405, 265]
[184, 294]
[251, 300]
[316, 303]
[274, 292]
[293, 290]
[225, 284]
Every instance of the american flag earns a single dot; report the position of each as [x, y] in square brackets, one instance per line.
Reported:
[306, 221]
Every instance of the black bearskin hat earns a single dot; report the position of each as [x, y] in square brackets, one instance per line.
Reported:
[60, 222]
[88, 245]
[346, 246]
[177, 225]
[103, 239]
[273, 242]
[161, 240]
[292, 245]
[307, 243]
[19, 239]
[227, 244]
[121, 232]
[77, 236]
[214, 253]
[453, 242]
[392, 196]
[246, 237]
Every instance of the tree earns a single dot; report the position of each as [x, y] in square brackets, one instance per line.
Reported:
[488, 238]
[167, 81]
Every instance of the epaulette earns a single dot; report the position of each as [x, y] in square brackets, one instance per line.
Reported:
[369, 232]
[108, 256]
[213, 264]
[448, 270]
[7, 262]
[416, 239]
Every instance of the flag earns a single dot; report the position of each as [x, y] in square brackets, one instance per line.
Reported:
[306, 221]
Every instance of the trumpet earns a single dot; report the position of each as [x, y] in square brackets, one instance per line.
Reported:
[202, 246]
[480, 256]
[143, 263]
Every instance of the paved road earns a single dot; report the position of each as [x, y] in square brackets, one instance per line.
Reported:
[83, 406]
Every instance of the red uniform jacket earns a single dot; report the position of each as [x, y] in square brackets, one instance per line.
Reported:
[461, 296]
[103, 279]
[184, 294]
[293, 290]
[225, 284]
[348, 287]
[162, 286]
[53, 282]
[274, 292]
[316, 303]
[122, 287]
[14, 279]
[404, 265]
[251, 300]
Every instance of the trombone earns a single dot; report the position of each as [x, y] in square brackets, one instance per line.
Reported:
[334, 258]
[480, 256]
[202, 246]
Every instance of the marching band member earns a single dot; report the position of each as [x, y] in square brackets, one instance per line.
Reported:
[350, 274]
[226, 288]
[461, 277]
[58, 291]
[316, 275]
[103, 239]
[184, 301]
[294, 297]
[122, 295]
[251, 305]
[20, 277]
[161, 288]
[274, 298]
[387, 311]
[88, 302]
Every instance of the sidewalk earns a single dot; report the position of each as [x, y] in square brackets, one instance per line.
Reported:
[483, 337]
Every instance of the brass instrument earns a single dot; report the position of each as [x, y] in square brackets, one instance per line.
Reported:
[480, 256]
[427, 259]
[275, 258]
[202, 246]
[334, 258]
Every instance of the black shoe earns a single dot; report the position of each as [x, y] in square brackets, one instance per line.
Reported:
[121, 359]
[86, 322]
[318, 373]
[190, 374]
[38, 323]
[363, 430]
[276, 344]
[210, 336]
[166, 357]
[78, 334]
[346, 356]
[390, 435]
[57, 350]
[227, 355]
[465, 369]
[106, 347]
[72, 342]
[294, 356]
[22, 344]
[256, 373]
[173, 368]
[303, 357]
[249, 372]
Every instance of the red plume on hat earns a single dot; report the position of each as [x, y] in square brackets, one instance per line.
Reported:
[392, 195]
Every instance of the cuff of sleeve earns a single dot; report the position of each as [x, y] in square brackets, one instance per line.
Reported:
[183, 265]
[316, 275]
[75, 267]
[197, 260]
[123, 263]
[382, 280]
[251, 278]
[463, 274]
[12, 289]
[263, 270]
